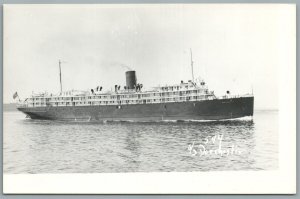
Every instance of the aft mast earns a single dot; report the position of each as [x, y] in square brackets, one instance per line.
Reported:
[192, 65]
[59, 63]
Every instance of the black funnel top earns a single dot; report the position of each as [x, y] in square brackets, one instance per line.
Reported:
[130, 79]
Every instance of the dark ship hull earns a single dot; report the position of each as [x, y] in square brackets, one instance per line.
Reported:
[217, 109]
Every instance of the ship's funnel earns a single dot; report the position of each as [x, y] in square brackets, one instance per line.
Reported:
[130, 79]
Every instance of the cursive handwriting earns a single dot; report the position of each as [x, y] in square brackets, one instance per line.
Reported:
[202, 149]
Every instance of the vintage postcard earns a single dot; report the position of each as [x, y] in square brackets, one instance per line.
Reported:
[149, 98]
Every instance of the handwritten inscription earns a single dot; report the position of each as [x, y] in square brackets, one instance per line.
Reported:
[212, 145]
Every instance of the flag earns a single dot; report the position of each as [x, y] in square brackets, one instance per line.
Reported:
[15, 95]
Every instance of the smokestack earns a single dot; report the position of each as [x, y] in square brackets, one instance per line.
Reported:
[130, 79]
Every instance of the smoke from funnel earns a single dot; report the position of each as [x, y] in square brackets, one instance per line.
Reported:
[127, 67]
[117, 64]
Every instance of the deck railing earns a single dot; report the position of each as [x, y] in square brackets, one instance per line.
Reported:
[130, 101]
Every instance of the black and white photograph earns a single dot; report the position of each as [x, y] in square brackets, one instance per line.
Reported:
[153, 90]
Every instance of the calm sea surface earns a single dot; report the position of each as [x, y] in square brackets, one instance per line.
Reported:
[32, 146]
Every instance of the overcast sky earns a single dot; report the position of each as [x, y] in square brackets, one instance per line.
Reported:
[235, 47]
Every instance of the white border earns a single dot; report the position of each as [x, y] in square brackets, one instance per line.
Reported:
[281, 181]
[258, 182]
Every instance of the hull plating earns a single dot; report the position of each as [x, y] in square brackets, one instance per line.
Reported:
[218, 109]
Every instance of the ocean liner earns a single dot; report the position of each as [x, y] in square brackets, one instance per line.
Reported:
[191, 100]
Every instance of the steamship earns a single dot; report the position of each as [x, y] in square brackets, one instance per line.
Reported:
[191, 100]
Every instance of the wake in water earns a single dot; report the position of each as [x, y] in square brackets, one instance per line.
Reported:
[242, 120]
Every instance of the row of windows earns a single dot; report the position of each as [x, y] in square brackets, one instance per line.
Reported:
[119, 96]
[175, 87]
[174, 99]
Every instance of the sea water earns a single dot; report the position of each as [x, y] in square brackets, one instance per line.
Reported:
[41, 146]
